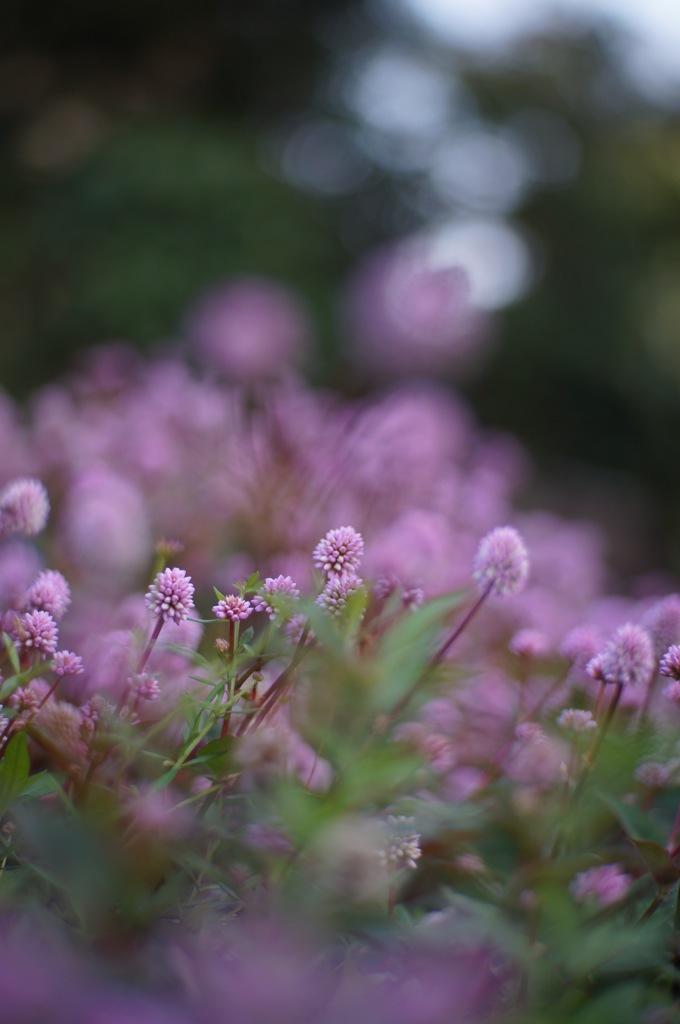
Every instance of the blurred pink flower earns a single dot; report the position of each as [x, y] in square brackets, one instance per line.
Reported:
[407, 315]
[249, 329]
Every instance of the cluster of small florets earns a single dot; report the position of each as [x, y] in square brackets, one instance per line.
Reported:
[337, 592]
[339, 555]
[232, 607]
[274, 593]
[339, 552]
[37, 631]
[576, 720]
[49, 592]
[145, 686]
[670, 663]
[501, 565]
[402, 848]
[171, 595]
[626, 660]
[66, 663]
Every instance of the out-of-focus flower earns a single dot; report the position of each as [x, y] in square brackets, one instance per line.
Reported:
[626, 660]
[249, 329]
[104, 522]
[66, 663]
[407, 315]
[171, 595]
[24, 507]
[576, 720]
[654, 774]
[581, 644]
[50, 592]
[604, 885]
[501, 565]
[662, 622]
[402, 844]
[530, 643]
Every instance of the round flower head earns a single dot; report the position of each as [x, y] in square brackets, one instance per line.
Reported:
[501, 565]
[581, 644]
[627, 659]
[50, 592]
[653, 774]
[274, 591]
[662, 621]
[66, 663]
[340, 551]
[37, 631]
[171, 595]
[670, 663]
[402, 844]
[577, 720]
[529, 643]
[24, 507]
[337, 592]
[232, 607]
[604, 885]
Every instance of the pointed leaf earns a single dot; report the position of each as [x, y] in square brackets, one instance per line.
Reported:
[657, 860]
[10, 647]
[14, 771]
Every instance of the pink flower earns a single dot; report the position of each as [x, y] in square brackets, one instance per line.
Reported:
[340, 551]
[627, 658]
[24, 507]
[273, 592]
[232, 607]
[529, 643]
[337, 592]
[66, 663]
[37, 631]
[249, 329]
[576, 720]
[171, 595]
[581, 644]
[501, 565]
[670, 663]
[408, 315]
[605, 885]
[50, 592]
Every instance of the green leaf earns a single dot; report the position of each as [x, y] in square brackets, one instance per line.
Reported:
[215, 755]
[14, 771]
[657, 860]
[10, 684]
[11, 652]
[633, 821]
[251, 582]
[407, 648]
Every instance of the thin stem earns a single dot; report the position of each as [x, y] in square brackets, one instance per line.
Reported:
[434, 660]
[673, 838]
[279, 685]
[150, 645]
[439, 654]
